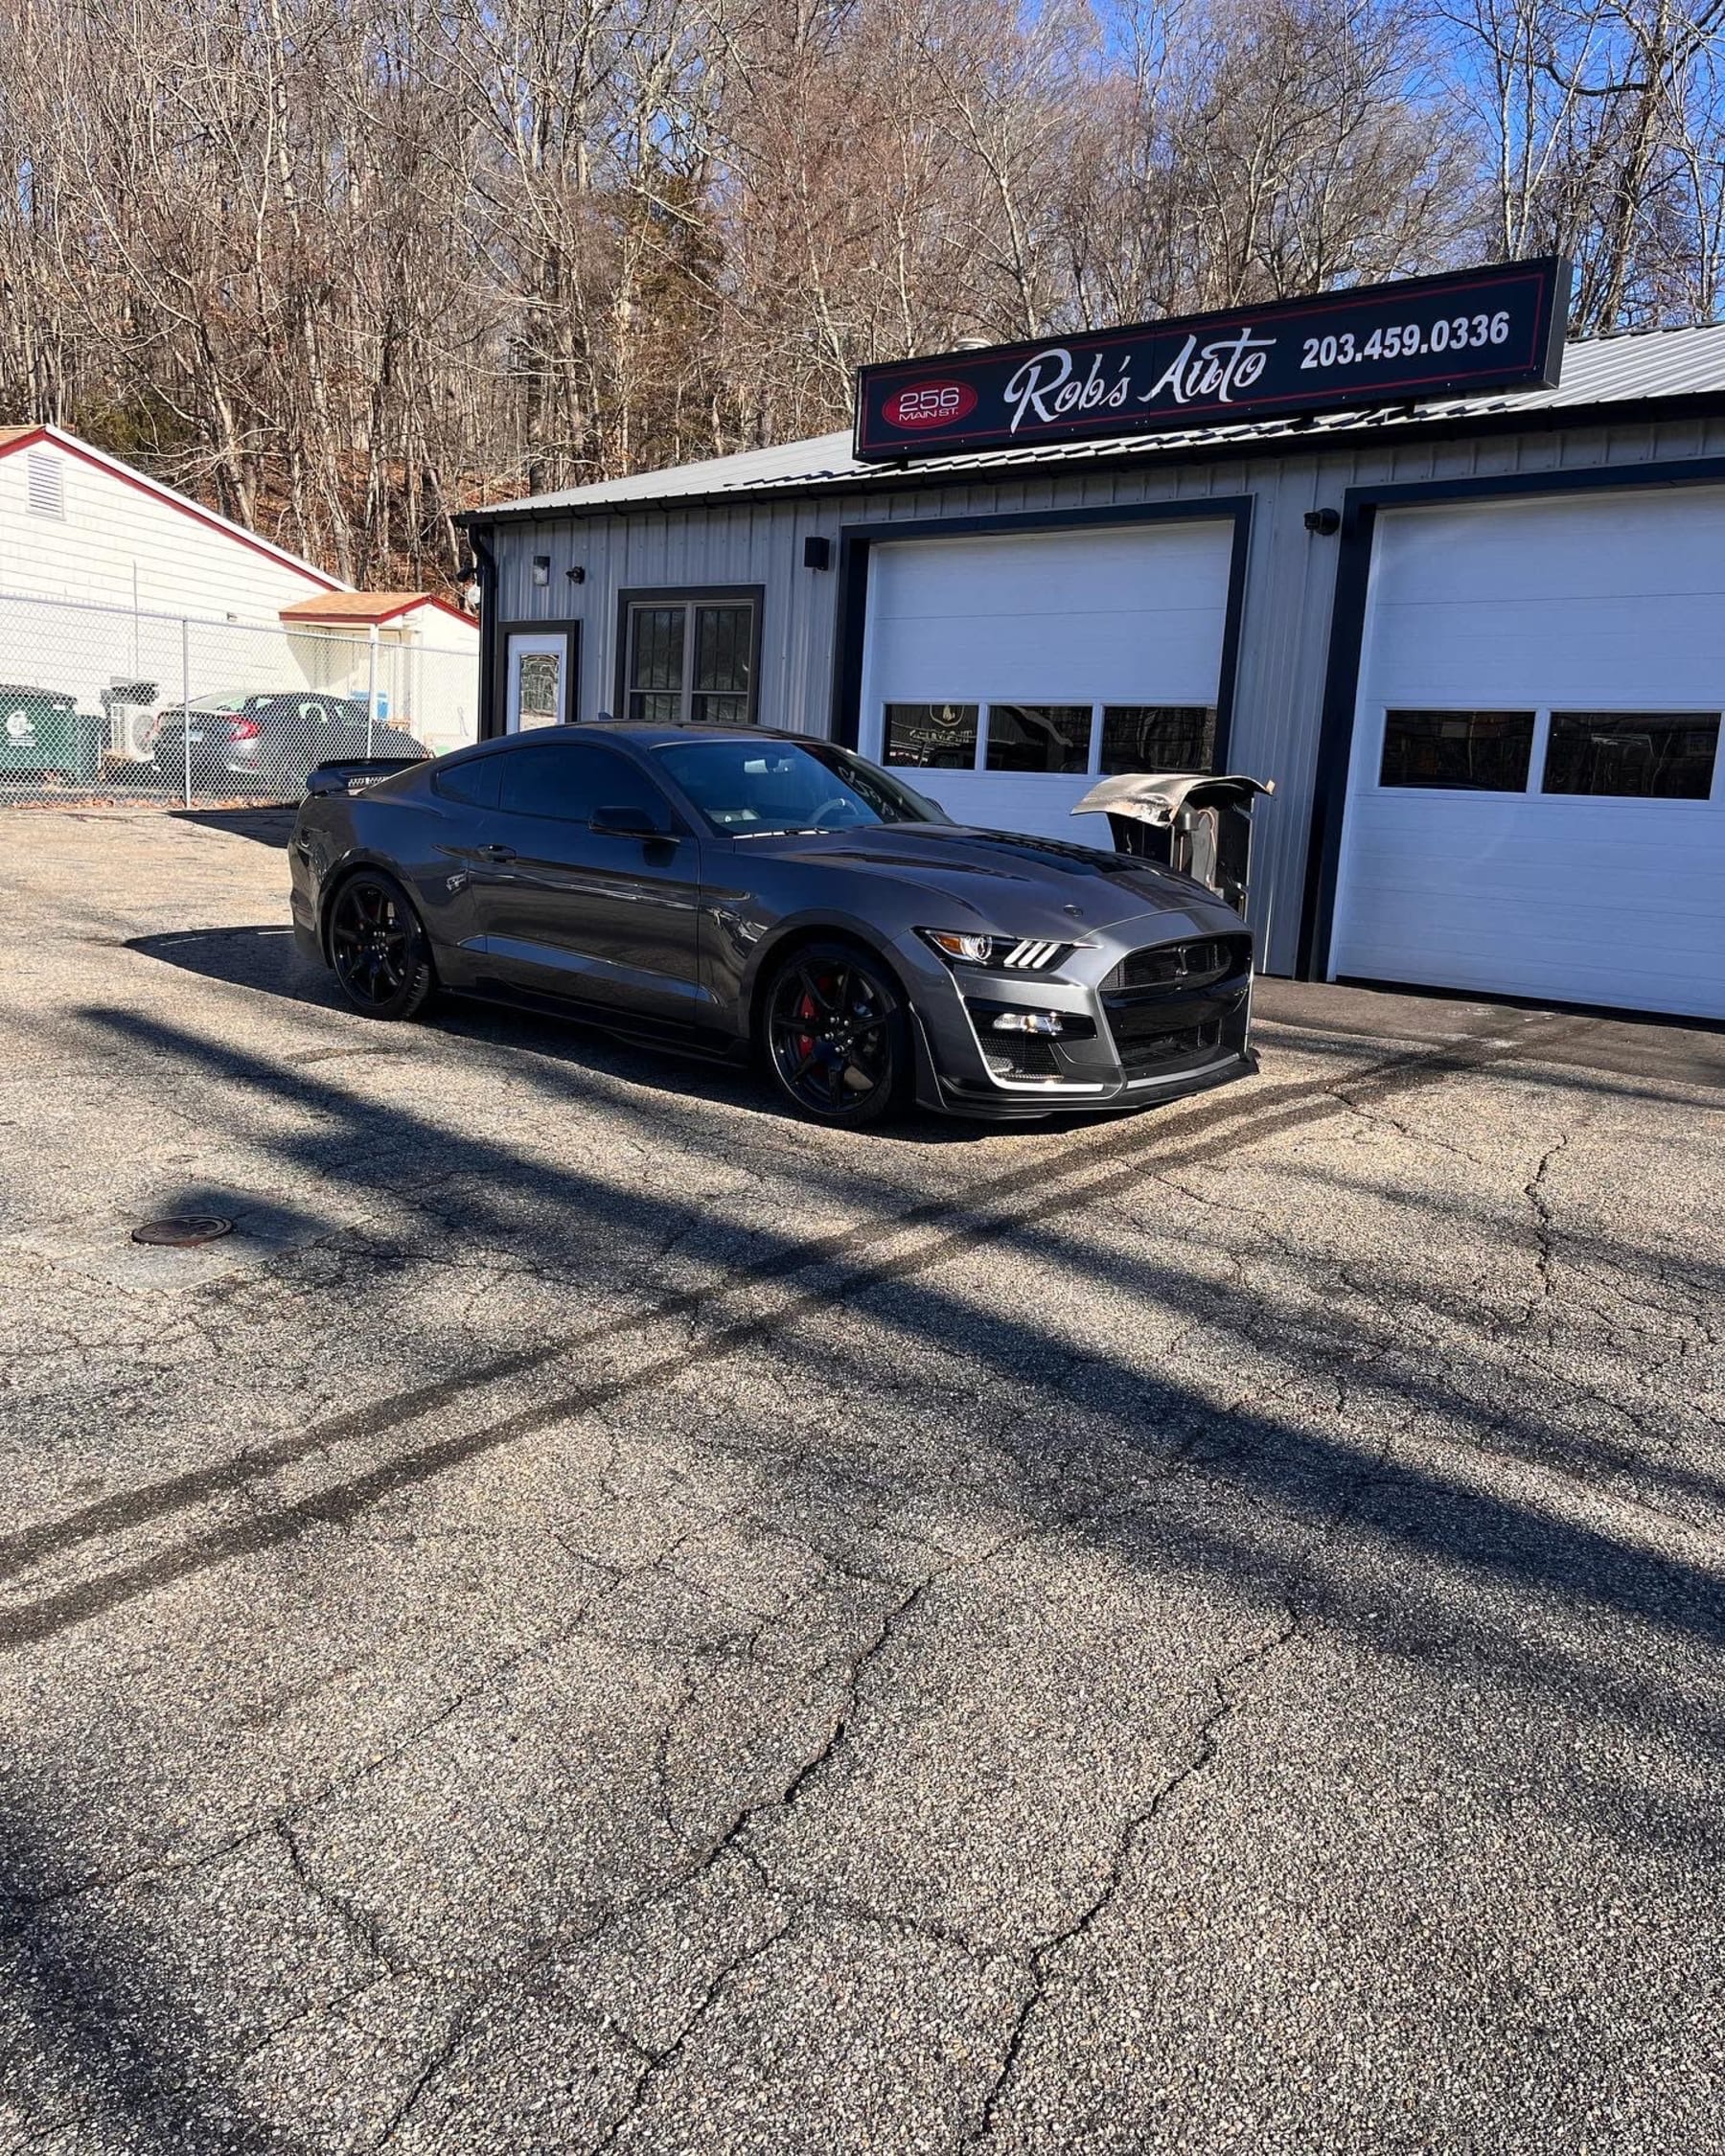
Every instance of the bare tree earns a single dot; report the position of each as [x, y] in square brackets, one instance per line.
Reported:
[345, 266]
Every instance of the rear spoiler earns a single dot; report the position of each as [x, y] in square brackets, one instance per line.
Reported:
[1157, 798]
[1198, 822]
[352, 774]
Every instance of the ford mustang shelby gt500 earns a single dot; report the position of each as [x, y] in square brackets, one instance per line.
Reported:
[744, 891]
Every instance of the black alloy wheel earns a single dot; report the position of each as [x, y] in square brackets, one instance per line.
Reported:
[378, 947]
[837, 1037]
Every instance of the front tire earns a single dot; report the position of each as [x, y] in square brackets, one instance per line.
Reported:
[837, 1038]
[378, 947]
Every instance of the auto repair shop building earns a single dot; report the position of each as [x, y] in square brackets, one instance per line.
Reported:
[1477, 642]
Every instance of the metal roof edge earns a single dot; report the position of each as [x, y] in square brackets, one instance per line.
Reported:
[1544, 419]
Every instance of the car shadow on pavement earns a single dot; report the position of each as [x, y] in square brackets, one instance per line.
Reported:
[1315, 1521]
[265, 957]
[269, 826]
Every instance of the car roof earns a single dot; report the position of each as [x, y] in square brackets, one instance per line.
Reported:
[646, 736]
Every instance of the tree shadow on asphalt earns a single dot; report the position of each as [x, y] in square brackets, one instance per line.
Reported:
[1272, 1457]
[114, 2058]
[1302, 1484]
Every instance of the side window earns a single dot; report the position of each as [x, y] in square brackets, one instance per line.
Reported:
[620, 784]
[475, 782]
[548, 778]
[569, 779]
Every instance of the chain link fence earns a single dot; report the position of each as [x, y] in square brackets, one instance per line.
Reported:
[111, 704]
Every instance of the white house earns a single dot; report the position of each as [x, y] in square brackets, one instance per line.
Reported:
[77, 524]
[419, 660]
[131, 597]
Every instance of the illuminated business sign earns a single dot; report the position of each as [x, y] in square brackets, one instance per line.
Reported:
[1384, 344]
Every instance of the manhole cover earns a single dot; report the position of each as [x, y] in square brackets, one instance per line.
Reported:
[183, 1232]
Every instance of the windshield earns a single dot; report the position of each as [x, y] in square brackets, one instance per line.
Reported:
[745, 787]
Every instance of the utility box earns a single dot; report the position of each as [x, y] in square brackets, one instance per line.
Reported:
[131, 707]
[43, 734]
[1195, 822]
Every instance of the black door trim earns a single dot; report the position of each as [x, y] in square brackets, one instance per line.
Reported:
[1360, 506]
[856, 542]
[496, 704]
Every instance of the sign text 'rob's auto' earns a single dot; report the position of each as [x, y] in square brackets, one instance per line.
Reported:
[1428, 336]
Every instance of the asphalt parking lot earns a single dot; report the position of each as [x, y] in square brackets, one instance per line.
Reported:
[602, 1618]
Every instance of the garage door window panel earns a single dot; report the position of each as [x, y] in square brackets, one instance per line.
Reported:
[1158, 737]
[1039, 737]
[1458, 751]
[933, 736]
[692, 660]
[1635, 755]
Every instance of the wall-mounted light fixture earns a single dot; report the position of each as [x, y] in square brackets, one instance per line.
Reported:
[576, 575]
[818, 553]
[541, 568]
[1325, 522]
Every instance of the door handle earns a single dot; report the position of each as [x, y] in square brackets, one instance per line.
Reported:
[498, 852]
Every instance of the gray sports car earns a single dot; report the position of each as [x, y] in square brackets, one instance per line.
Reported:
[748, 891]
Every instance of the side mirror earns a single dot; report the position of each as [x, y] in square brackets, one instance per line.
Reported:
[627, 823]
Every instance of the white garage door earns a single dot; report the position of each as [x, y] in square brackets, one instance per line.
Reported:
[1004, 674]
[1535, 800]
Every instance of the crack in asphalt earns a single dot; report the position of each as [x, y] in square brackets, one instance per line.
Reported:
[1533, 1190]
[1042, 1976]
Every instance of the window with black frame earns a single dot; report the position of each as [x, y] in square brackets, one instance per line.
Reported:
[1462, 751]
[1645, 755]
[691, 661]
[1158, 737]
[1039, 737]
[940, 736]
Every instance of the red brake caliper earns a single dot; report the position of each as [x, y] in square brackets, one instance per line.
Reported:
[805, 1041]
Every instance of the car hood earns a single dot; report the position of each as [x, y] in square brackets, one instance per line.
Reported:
[997, 879]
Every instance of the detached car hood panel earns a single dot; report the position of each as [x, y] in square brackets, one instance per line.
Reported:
[1006, 881]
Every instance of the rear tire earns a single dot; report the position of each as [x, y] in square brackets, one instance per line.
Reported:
[837, 1035]
[379, 949]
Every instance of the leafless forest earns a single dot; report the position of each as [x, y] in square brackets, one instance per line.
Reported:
[344, 267]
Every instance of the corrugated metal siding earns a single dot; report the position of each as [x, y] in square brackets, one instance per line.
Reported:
[1284, 634]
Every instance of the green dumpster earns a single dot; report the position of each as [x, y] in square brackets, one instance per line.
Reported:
[43, 734]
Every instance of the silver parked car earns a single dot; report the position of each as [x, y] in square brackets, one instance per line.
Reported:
[748, 890]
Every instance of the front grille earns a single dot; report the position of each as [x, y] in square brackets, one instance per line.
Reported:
[1156, 1051]
[1182, 965]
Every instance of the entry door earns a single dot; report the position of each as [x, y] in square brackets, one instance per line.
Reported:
[540, 690]
[597, 917]
[1536, 802]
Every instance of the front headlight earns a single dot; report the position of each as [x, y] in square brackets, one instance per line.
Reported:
[1013, 954]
